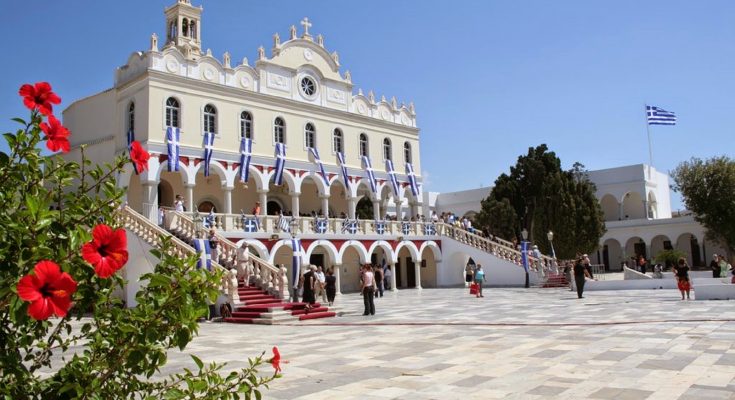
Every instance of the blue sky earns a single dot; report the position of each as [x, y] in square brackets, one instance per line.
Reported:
[489, 78]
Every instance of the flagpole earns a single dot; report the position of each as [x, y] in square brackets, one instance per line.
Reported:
[650, 151]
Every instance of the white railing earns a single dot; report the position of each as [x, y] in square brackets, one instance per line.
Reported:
[266, 275]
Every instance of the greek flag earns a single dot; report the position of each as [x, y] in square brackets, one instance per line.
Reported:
[208, 143]
[370, 174]
[349, 226]
[284, 223]
[173, 135]
[131, 139]
[345, 177]
[296, 262]
[379, 227]
[406, 228]
[210, 220]
[524, 255]
[659, 116]
[315, 154]
[412, 180]
[280, 163]
[392, 176]
[320, 225]
[429, 229]
[246, 152]
[251, 224]
[204, 253]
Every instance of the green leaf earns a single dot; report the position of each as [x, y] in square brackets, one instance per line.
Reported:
[197, 361]
[173, 394]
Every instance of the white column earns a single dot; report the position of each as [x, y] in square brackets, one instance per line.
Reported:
[150, 201]
[399, 208]
[393, 286]
[338, 282]
[417, 268]
[189, 197]
[351, 206]
[325, 205]
[295, 204]
[228, 199]
[263, 198]
[376, 210]
[645, 209]
[620, 211]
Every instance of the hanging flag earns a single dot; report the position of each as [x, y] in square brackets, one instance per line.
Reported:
[284, 223]
[412, 180]
[349, 226]
[659, 116]
[280, 163]
[251, 224]
[204, 253]
[392, 176]
[369, 172]
[246, 153]
[406, 228]
[296, 262]
[379, 227]
[208, 143]
[173, 135]
[210, 220]
[429, 229]
[343, 167]
[320, 225]
[315, 155]
[524, 254]
[131, 139]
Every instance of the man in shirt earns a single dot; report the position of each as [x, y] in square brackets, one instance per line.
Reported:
[321, 281]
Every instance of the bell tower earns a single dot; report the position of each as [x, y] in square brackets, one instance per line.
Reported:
[183, 28]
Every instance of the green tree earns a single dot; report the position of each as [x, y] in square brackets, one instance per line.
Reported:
[708, 189]
[364, 208]
[540, 197]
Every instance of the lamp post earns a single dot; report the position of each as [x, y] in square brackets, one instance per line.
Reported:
[524, 255]
[550, 236]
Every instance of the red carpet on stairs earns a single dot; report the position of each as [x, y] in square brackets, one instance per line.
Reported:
[255, 302]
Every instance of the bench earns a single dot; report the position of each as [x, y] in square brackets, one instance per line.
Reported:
[713, 289]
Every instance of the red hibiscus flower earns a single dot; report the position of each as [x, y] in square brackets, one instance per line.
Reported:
[139, 157]
[107, 252]
[56, 135]
[276, 360]
[49, 290]
[39, 96]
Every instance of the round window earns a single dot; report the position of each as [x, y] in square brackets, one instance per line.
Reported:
[308, 86]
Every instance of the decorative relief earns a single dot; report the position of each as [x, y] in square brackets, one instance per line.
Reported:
[172, 66]
[336, 96]
[208, 74]
[279, 82]
[308, 55]
[385, 114]
[245, 81]
[361, 109]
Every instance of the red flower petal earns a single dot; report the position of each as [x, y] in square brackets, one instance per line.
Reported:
[28, 288]
[40, 309]
[56, 135]
[49, 290]
[47, 271]
[39, 96]
[107, 252]
[139, 157]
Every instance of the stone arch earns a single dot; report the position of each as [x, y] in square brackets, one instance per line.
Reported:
[165, 193]
[690, 244]
[610, 207]
[215, 167]
[659, 243]
[430, 257]
[411, 247]
[361, 251]
[284, 243]
[288, 177]
[430, 244]
[612, 255]
[386, 249]
[338, 195]
[262, 251]
[634, 247]
[315, 177]
[160, 167]
[362, 187]
[633, 206]
[329, 247]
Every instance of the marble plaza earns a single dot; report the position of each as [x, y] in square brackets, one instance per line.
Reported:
[512, 344]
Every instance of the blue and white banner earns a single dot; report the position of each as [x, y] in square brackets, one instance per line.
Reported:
[369, 172]
[251, 224]
[246, 153]
[524, 254]
[210, 220]
[321, 225]
[284, 223]
[429, 229]
[343, 167]
[392, 177]
[204, 253]
[379, 227]
[296, 262]
[659, 116]
[131, 139]
[412, 180]
[406, 228]
[173, 136]
[349, 226]
[280, 163]
[315, 155]
[208, 147]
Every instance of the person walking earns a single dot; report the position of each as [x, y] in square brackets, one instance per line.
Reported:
[378, 272]
[319, 284]
[724, 266]
[468, 275]
[714, 266]
[682, 277]
[388, 276]
[568, 274]
[368, 289]
[479, 279]
[580, 274]
[330, 286]
[309, 282]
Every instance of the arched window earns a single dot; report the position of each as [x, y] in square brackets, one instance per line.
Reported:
[363, 144]
[310, 135]
[210, 118]
[131, 117]
[193, 29]
[337, 141]
[185, 27]
[407, 152]
[279, 130]
[246, 125]
[387, 151]
[172, 112]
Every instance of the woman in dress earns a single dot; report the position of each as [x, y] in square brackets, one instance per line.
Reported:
[682, 277]
[308, 296]
[330, 285]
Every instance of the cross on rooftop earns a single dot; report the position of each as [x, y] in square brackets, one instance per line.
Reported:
[306, 24]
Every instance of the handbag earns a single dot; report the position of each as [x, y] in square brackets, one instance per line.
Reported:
[473, 288]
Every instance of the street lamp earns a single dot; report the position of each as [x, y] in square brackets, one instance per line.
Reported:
[524, 255]
[550, 236]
